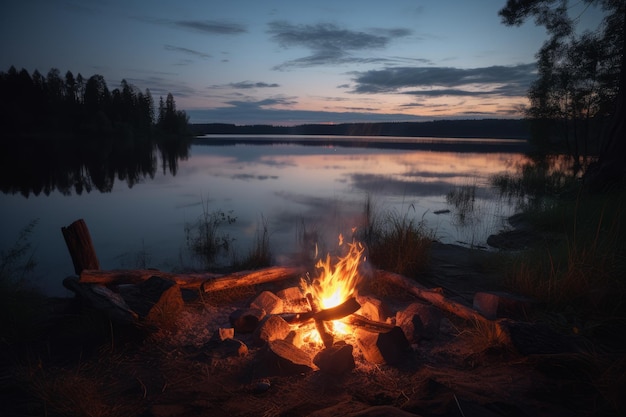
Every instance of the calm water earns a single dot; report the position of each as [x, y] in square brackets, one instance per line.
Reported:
[286, 185]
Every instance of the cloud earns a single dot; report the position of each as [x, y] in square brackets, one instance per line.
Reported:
[438, 81]
[330, 43]
[213, 27]
[186, 51]
[248, 84]
[160, 86]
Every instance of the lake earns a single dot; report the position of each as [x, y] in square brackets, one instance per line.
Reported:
[286, 183]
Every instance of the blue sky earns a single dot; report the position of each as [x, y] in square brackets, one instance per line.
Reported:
[288, 62]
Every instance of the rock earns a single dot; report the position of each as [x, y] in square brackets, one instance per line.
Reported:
[372, 308]
[429, 316]
[268, 302]
[282, 358]
[224, 333]
[157, 300]
[262, 385]
[167, 308]
[246, 320]
[498, 304]
[295, 338]
[335, 360]
[271, 328]
[231, 348]
[290, 294]
[389, 347]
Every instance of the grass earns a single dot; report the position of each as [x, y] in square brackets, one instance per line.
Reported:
[396, 242]
[205, 237]
[585, 269]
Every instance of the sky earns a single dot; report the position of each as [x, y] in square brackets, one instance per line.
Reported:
[289, 62]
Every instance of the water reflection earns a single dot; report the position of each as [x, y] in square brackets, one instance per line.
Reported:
[43, 166]
[142, 208]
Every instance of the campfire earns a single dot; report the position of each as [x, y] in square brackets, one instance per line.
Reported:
[320, 320]
[336, 286]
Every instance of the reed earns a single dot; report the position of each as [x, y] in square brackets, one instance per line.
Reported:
[396, 242]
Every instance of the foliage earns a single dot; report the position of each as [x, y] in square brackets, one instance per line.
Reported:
[18, 260]
[34, 104]
[396, 243]
[579, 74]
[260, 254]
[583, 268]
[16, 307]
[462, 198]
[170, 120]
[205, 238]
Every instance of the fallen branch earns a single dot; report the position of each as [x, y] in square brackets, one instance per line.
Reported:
[206, 281]
[435, 297]
[241, 279]
[137, 276]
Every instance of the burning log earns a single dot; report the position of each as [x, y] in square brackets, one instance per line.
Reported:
[207, 281]
[334, 313]
[364, 323]
[327, 338]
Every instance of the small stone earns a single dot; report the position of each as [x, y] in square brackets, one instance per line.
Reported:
[335, 360]
[231, 348]
[224, 333]
[271, 328]
[268, 302]
[429, 316]
[389, 347]
[372, 308]
[246, 320]
[290, 294]
[498, 304]
[282, 358]
[262, 385]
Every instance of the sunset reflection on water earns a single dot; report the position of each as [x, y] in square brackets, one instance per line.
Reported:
[287, 185]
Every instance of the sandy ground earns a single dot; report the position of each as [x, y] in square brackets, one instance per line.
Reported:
[177, 371]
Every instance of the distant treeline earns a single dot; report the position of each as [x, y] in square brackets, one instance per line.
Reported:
[37, 105]
[485, 128]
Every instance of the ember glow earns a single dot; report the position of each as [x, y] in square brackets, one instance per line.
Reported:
[336, 283]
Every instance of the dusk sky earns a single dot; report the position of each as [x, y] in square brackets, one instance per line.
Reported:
[289, 62]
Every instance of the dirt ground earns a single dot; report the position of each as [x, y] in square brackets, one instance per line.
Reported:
[81, 365]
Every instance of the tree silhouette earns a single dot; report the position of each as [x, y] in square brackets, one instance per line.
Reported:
[581, 76]
[38, 105]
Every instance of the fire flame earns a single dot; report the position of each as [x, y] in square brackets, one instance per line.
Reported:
[336, 282]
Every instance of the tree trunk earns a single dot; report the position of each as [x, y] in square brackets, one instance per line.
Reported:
[78, 241]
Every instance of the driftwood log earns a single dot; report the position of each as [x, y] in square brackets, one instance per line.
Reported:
[78, 241]
[206, 281]
[435, 297]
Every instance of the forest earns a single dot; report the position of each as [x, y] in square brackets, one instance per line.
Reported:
[34, 105]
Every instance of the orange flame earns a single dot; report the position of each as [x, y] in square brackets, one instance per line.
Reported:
[337, 282]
